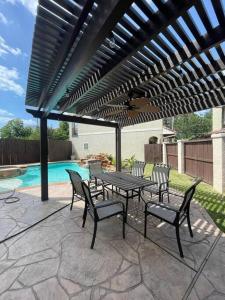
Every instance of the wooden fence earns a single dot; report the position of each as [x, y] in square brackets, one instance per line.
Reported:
[172, 156]
[198, 159]
[153, 153]
[17, 151]
[59, 150]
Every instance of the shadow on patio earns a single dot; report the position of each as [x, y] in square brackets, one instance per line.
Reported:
[53, 259]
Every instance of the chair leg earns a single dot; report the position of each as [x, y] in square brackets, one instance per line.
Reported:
[84, 216]
[178, 241]
[160, 197]
[145, 228]
[124, 219]
[94, 235]
[189, 224]
[71, 206]
[103, 193]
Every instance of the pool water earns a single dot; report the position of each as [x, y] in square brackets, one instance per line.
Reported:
[56, 173]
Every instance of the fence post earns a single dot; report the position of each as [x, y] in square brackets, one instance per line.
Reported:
[164, 153]
[218, 141]
[180, 156]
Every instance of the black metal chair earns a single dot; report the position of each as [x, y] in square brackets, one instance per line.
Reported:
[95, 168]
[101, 211]
[160, 175]
[171, 214]
[77, 191]
[138, 168]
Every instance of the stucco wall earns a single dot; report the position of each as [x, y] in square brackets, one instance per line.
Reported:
[102, 139]
[218, 121]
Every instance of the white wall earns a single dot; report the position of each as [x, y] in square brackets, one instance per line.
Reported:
[218, 117]
[102, 139]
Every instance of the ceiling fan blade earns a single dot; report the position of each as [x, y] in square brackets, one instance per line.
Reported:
[148, 108]
[112, 113]
[132, 113]
[139, 101]
[116, 105]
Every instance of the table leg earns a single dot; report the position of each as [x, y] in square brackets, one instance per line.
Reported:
[139, 195]
[126, 208]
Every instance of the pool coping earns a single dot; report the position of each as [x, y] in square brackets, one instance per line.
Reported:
[39, 185]
[38, 163]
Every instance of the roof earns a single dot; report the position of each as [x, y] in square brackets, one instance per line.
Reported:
[87, 54]
[168, 131]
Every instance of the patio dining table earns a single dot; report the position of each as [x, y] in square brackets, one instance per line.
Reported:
[131, 185]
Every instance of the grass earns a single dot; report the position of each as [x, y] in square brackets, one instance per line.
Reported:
[212, 201]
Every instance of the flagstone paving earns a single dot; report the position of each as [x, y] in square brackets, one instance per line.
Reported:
[53, 259]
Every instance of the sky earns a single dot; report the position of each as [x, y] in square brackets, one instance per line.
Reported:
[17, 18]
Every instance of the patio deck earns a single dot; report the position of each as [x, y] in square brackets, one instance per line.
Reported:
[53, 260]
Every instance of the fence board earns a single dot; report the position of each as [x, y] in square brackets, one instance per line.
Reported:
[172, 156]
[17, 151]
[59, 150]
[153, 153]
[198, 159]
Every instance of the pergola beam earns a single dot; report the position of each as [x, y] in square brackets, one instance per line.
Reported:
[70, 118]
[105, 19]
[151, 30]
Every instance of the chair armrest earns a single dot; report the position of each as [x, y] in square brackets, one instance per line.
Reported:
[162, 205]
[162, 183]
[96, 193]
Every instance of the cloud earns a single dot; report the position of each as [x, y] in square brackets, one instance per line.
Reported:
[3, 19]
[8, 78]
[31, 5]
[5, 113]
[6, 49]
[29, 122]
[6, 116]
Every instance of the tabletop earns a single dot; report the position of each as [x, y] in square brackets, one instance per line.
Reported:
[124, 181]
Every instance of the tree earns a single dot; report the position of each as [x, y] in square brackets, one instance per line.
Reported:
[35, 134]
[15, 129]
[62, 133]
[193, 125]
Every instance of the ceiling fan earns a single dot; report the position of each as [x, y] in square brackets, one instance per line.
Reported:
[134, 106]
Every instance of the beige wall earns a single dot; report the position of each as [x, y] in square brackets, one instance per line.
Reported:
[102, 139]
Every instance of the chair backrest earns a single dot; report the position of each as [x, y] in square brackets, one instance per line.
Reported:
[89, 202]
[160, 173]
[188, 196]
[76, 181]
[95, 167]
[138, 168]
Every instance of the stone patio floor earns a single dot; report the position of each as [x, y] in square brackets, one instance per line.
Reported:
[53, 259]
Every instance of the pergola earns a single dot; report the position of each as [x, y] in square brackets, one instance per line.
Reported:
[87, 54]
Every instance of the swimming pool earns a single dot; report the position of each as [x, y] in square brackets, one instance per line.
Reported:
[56, 173]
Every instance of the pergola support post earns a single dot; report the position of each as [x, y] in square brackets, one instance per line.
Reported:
[218, 143]
[44, 158]
[118, 149]
[180, 156]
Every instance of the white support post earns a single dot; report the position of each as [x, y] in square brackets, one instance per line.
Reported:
[164, 153]
[218, 141]
[180, 156]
